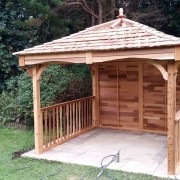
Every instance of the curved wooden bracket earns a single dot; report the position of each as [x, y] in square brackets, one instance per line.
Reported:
[161, 69]
[28, 69]
[91, 67]
[41, 69]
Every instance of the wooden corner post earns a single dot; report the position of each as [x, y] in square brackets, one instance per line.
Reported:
[38, 131]
[95, 105]
[171, 110]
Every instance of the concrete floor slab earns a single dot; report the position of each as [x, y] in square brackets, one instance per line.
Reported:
[139, 152]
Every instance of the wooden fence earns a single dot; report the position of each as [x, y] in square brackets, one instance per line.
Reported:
[64, 121]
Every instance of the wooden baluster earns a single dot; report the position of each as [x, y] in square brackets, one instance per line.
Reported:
[54, 134]
[85, 109]
[67, 112]
[70, 119]
[57, 124]
[79, 116]
[73, 118]
[61, 126]
[82, 119]
[49, 127]
[43, 131]
[88, 113]
[65, 121]
[46, 130]
[84, 114]
[91, 111]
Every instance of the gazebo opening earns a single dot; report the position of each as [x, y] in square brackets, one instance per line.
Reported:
[134, 69]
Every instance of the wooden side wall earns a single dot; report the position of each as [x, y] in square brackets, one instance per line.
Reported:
[121, 104]
[177, 125]
[154, 99]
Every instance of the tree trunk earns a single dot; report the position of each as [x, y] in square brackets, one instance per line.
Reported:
[113, 7]
[93, 19]
[100, 11]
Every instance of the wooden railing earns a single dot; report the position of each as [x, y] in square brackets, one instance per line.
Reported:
[64, 121]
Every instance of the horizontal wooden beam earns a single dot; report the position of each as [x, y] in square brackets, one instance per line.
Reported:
[21, 61]
[89, 58]
[102, 56]
[54, 58]
[153, 54]
[177, 53]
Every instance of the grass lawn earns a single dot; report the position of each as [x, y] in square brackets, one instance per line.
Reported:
[13, 140]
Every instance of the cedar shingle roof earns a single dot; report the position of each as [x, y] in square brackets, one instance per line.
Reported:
[121, 33]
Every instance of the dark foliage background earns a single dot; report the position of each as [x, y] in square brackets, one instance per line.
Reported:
[25, 23]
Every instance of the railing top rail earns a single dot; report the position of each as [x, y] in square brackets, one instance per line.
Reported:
[68, 102]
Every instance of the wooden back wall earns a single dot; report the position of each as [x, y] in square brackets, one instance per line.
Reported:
[132, 96]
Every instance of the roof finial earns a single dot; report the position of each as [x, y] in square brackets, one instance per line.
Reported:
[121, 12]
[121, 15]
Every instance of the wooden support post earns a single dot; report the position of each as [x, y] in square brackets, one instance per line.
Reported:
[93, 73]
[171, 110]
[140, 74]
[38, 129]
[95, 103]
[118, 97]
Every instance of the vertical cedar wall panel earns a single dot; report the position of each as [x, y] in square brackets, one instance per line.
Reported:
[108, 95]
[128, 96]
[154, 99]
[177, 123]
[178, 91]
[119, 97]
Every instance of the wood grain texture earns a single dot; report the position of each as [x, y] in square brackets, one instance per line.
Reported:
[21, 61]
[177, 53]
[37, 114]
[154, 88]
[172, 129]
[64, 121]
[132, 95]
[177, 123]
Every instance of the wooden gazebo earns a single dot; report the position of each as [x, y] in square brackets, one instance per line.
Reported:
[136, 84]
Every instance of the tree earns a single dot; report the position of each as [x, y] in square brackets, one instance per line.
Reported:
[16, 33]
[24, 23]
[160, 14]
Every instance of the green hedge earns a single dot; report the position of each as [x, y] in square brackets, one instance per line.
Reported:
[58, 84]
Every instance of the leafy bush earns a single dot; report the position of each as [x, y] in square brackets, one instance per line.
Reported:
[58, 84]
[53, 81]
[9, 110]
